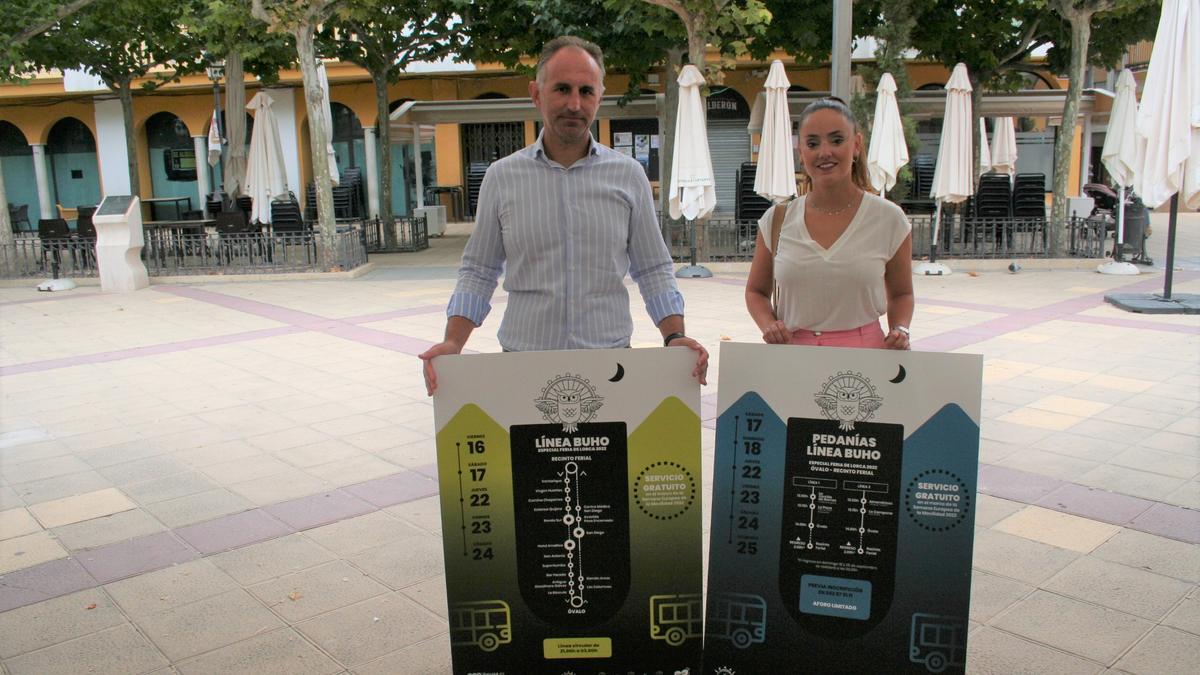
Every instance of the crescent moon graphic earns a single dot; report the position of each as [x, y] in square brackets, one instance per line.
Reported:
[899, 376]
[619, 375]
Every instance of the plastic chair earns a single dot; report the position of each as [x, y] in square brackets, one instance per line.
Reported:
[19, 217]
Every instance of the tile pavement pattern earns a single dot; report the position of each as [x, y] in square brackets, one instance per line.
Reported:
[239, 478]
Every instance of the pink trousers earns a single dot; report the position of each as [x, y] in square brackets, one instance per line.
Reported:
[869, 336]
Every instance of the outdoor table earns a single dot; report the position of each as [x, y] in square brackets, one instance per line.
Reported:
[181, 205]
[170, 234]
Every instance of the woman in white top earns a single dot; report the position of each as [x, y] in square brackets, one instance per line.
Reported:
[845, 254]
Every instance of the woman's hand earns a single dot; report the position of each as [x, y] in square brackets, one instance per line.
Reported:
[896, 339]
[777, 334]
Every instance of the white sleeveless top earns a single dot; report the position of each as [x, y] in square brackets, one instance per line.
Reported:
[841, 287]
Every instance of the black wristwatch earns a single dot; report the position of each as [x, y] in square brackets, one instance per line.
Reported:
[672, 336]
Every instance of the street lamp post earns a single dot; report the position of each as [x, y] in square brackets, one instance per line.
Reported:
[216, 70]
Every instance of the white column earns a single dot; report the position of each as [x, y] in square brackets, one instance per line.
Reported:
[843, 33]
[416, 131]
[372, 172]
[43, 181]
[200, 146]
[111, 153]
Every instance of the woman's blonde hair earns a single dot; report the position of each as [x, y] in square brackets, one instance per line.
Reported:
[858, 170]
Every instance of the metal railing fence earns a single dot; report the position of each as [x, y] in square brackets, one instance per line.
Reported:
[189, 251]
[33, 257]
[407, 234]
[725, 239]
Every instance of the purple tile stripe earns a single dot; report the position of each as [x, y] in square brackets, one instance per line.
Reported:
[320, 509]
[396, 489]
[430, 470]
[234, 531]
[1170, 521]
[346, 330]
[94, 567]
[151, 350]
[1095, 504]
[136, 556]
[1166, 520]
[411, 311]
[1016, 485]
[1020, 320]
[43, 582]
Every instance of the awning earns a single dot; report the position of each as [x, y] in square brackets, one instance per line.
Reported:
[508, 110]
[929, 104]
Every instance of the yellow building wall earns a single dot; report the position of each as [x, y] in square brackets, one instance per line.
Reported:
[35, 122]
[448, 154]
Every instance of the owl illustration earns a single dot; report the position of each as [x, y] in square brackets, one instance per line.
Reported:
[568, 400]
[849, 398]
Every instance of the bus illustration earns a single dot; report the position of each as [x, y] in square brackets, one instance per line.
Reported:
[740, 618]
[675, 618]
[937, 641]
[486, 624]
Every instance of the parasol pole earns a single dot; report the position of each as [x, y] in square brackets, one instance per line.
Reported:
[1120, 223]
[1171, 246]
[937, 222]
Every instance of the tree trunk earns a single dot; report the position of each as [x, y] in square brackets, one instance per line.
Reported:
[126, 94]
[235, 125]
[383, 158]
[8, 254]
[1081, 32]
[314, 99]
[976, 100]
[666, 152]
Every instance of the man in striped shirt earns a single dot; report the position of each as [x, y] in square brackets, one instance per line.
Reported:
[566, 219]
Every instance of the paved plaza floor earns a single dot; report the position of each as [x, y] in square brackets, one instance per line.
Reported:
[240, 477]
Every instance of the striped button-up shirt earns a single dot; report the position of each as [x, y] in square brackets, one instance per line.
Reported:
[567, 236]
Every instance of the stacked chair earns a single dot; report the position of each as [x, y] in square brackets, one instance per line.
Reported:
[922, 182]
[84, 227]
[214, 203]
[348, 199]
[991, 208]
[348, 196]
[475, 172]
[1029, 195]
[19, 217]
[1029, 202]
[285, 214]
[290, 228]
[749, 205]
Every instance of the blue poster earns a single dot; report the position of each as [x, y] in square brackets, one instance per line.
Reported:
[844, 496]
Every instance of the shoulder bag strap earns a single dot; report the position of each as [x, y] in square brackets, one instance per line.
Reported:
[777, 219]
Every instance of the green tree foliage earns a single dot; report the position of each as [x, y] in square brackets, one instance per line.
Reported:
[301, 20]
[384, 38]
[120, 41]
[804, 28]
[22, 21]
[1113, 22]
[893, 34]
[244, 43]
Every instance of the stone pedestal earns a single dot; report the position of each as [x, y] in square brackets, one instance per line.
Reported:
[119, 243]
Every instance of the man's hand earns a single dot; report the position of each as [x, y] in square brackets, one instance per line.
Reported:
[777, 334]
[429, 355]
[701, 371]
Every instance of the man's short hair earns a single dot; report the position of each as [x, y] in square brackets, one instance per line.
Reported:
[552, 47]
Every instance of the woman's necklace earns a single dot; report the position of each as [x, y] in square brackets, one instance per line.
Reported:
[834, 212]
